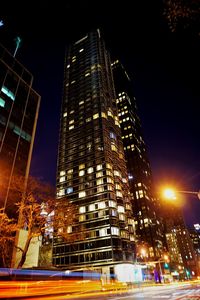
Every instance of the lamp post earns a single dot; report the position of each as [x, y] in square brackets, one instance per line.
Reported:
[171, 194]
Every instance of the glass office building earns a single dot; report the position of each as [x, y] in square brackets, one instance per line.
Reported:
[19, 106]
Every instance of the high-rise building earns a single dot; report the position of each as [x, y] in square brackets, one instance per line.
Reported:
[149, 229]
[91, 168]
[19, 106]
[182, 254]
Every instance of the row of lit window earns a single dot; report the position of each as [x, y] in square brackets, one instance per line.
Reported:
[101, 205]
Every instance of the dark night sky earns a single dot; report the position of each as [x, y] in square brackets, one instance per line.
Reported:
[164, 67]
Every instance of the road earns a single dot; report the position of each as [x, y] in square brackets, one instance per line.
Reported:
[178, 291]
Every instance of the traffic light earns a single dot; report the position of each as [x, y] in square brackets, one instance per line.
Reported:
[166, 265]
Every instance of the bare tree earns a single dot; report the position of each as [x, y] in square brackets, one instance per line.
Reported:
[182, 14]
[34, 206]
[8, 228]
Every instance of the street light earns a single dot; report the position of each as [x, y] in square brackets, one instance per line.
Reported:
[171, 193]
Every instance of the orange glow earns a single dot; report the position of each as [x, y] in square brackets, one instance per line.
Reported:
[47, 288]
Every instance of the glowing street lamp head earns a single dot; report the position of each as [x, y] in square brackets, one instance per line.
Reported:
[169, 194]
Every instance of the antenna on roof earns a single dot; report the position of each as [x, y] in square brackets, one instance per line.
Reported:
[18, 41]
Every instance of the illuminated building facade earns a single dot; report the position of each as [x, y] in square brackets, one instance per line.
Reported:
[182, 254]
[19, 106]
[149, 230]
[91, 168]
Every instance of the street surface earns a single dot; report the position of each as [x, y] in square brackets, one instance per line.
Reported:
[60, 290]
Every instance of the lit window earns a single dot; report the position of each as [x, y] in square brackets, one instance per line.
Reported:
[62, 173]
[82, 209]
[81, 173]
[62, 179]
[118, 187]
[112, 203]
[65, 114]
[95, 116]
[100, 189]
[87, 74]
[81, 218]
[71, 112]
[71, 127]
[69, 190]
[61, 193]
[119, 194]
[110, 114]
[103, 232]
[122, 217]
[141, 194]
[109, 187]
[99, 167]
[82, 166]
[108, 166]
[113, 147]
[90, 170]
[99, 174]
[114, 230]
[99, 181]
[82, 194]
[7, 92]
[71, 121]
[70, 171]
[69, 229]
[117, 173]
[102, 205]
[109, 180]
[89, 146]
[81, 102]
[103, 115]
[91, 207]
[88, 120]
[112, 135]
[120, 209]
[2, 102]
[81, 50]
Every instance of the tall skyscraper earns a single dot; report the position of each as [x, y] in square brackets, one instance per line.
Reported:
[19, 106]
[91, 168]
[149, 229]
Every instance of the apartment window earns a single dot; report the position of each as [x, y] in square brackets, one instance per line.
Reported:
[62, 173]
[99, 174]
[120, 209]
[99, 181]
[95, 116]
[69, 190]
[81, 173]
[62, 179]
[99, 167]
[90, 170]
[112, 203]
[114, 230]
[81, 218]
[82, 194]
[82, 209]
[82, 166]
